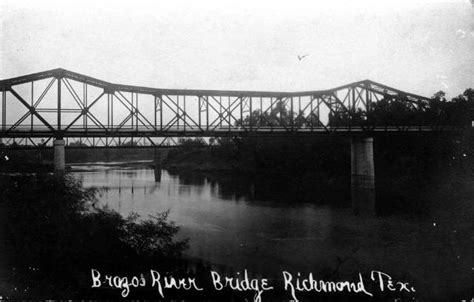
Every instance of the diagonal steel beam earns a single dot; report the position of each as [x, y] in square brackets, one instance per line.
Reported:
[135, 111]
[84, 112]
[73, 92]
[183, 113]
[228, 110]
[45, 91]
[31, 108]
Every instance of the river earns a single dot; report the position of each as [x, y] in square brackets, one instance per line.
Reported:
[267, 236]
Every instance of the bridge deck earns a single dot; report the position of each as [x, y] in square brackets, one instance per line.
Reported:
[42, 131]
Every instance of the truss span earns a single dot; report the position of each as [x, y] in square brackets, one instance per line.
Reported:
[63, 104]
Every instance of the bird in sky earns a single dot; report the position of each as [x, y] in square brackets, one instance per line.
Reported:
[302, 57]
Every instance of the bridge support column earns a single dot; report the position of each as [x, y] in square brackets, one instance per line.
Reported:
[59, 156]
[362, 175]
[157, 166]
[160, 156]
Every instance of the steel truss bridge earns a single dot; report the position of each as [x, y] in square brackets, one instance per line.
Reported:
[88, 112]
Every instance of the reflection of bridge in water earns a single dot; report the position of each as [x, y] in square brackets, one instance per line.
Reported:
[64, 108]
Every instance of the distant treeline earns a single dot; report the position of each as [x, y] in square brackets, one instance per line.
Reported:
[389, 111]
[438, 111]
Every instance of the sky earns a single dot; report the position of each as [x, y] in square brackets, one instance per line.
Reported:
[417, 46]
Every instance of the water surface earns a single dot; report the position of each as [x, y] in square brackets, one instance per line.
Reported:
[267, 237]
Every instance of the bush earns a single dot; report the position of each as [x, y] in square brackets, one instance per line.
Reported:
[57, 232]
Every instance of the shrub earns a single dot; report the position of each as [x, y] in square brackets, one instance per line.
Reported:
[57, 231]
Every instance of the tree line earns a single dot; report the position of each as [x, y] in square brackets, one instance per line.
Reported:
[389, 111]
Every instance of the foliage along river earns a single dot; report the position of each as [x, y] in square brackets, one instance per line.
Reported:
[267, 237]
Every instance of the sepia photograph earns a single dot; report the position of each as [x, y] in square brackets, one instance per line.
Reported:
[238, 150]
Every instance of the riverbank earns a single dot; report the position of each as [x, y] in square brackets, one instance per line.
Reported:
[200, 160]
[41, 160]
[6, 286]
[106, 165]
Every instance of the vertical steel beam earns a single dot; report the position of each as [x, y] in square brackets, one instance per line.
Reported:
[242, 110]
[271, 112]
[59, 103]
[108, 110]
[161, 113]
[292, 116]
[154, 115]
[111, 111]
[200, 110]
[136, 111]
[131, 110]
[318, 109]
[353, 99]
[281, 104]
[4, 110]
[177, 111]
[251, 113]
[220, 112]
[32, 101]
[184, 112]
[228, 112]
[367, 99]
[207, 113]
[84, 101]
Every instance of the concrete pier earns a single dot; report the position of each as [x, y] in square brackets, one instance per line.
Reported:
[363, 175]
[59, 156]
[160, 156]
[158, 164]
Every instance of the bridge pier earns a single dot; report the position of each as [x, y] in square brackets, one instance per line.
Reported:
[160, 156]
[157, 162]
[59, 156]
[362, 175]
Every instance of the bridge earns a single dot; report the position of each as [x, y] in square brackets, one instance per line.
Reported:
[62, 108]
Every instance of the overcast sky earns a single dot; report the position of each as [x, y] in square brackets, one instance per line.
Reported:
[417, 46]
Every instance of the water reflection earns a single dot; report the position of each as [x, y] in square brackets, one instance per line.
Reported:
[230, 226]
[223, 228]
